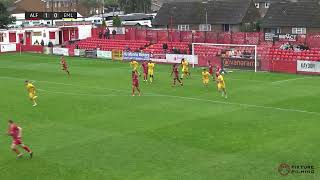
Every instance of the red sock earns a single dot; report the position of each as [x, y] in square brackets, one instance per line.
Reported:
[26, 148]
[16, 150]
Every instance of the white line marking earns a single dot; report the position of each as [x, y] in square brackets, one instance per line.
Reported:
[287, 80]
[246, 105]
[65, 84]
[187, 98]
[92, 94]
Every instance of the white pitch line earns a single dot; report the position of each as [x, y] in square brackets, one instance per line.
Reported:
[287, 80]
[92, 94]
[246, 105]
[65, 84]
[192, 98]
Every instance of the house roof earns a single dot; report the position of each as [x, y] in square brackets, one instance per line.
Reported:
[194, 12]
[292, 14]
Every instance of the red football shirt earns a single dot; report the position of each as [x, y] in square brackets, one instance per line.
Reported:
[14, 131]
[145, 66]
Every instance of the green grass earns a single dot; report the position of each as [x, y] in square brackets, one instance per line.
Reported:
[89, 127]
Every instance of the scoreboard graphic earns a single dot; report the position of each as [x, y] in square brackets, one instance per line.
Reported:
[49, 15]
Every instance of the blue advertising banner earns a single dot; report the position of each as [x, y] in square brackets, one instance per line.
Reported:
[136, 56]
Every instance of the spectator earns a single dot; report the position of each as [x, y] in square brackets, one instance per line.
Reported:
[303, 47]
[108, 33]
[50, 44]
[127, 48]
[165, 47]
[286, 46]
[21, 41]
[42, 42]
[100, 35]
[190, 48]
[36, 42]
[114, 32]
[77, 46]
[175, 50]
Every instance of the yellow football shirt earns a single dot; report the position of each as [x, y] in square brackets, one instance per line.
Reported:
[134, 65]
[150, 66]
[221, 80]
[185, 64]
[31, 88]
[205, 75]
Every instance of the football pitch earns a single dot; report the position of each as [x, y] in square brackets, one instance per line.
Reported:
[88, 126]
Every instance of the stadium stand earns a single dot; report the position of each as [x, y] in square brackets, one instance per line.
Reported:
[182, 47]
[110, 44]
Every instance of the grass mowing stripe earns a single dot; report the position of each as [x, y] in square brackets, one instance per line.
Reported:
[189, 98]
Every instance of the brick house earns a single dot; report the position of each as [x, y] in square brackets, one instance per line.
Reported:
[219, 16]
[295, 17]
[21, 6]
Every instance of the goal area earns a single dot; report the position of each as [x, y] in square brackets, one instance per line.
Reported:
[229, 56]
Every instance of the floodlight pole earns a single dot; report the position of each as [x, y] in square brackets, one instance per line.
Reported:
[51, 12]
[171, 24]
[205, 3]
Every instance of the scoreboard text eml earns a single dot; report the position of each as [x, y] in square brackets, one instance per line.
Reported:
[49, 15]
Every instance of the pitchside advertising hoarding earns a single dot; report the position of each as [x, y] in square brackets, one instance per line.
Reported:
[308, 66]
[8, 47]
[138, 56]
[104, 54]
[239, 63]
[79, 52]
[61, 51]
[161, 58]
[176, 58]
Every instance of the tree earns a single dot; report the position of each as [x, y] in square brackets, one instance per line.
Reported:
[7, 3]
[5, 17]
[131, 6]
[111, 2]
[90, 4]
[116, 21]
[104, 24]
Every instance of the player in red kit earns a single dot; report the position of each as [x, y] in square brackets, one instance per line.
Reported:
[16, 133]
[145, 70]
[64, 65]
[210, 68]
[176, 77]
[135, 82]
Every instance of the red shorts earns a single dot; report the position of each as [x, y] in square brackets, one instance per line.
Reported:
[64, 68]
[176, 75]
[17, 141]
[211, 72]
[145, 71]
[135, 83]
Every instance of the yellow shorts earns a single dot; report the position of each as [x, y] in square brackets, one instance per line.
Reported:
[150, 72]
[32, 96]
[185, 70]
[221, 86]
[134, 69]
[205, 81]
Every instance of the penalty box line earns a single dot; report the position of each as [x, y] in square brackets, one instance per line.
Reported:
[187, 98]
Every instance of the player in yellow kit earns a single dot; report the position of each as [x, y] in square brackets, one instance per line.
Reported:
[185, 68]
[150, 71]
[222, 86]
[32, 92]
[205, 77]
[134, 65]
